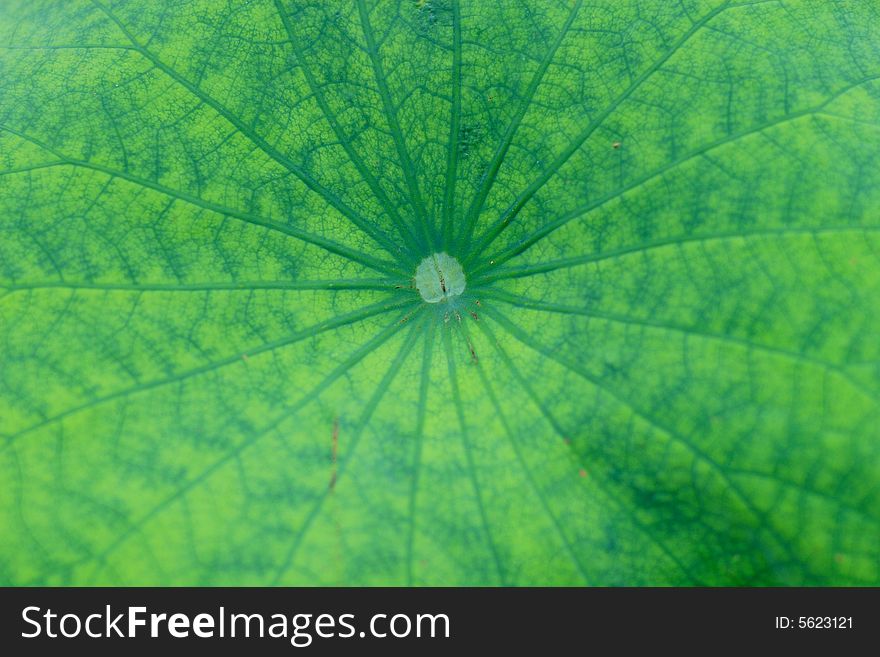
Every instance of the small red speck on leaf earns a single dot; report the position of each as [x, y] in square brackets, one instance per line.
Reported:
[838, 558]
[582, 472]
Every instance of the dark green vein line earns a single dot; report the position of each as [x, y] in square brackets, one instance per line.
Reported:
[424, 383]
[454, 131]
[488, 180]
[809, 491]
[848, 119]
[466, 442]
[341, 284]
[364, 419]
[344, 141]
[308, 332]
[520, 301]
[356, 356]
[524, 466]
[310, 182]
[698, 453]
[17, 494]
[33, 167]
[557, 428]
[575, 261]
[85, 46]
[372, 262]
[510, 213]
[394, 126]
[640, 181]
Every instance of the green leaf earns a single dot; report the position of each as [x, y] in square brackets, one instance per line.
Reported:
[219, 365]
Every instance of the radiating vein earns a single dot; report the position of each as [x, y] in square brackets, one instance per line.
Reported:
[493, 231]
[488, 180]
[865, 514]
[364, 419]
[524, 466]
[30, 167]
[521, 301]
[359, 354]
[291, 231]
[329, 196]
[466, 443]
[344, 140]
[557, 427]
[701, 455]
[308, 332]
[424, 383]
[640, 181]
[354, 284]
[409, 171]
[454, 131]
[549, 266]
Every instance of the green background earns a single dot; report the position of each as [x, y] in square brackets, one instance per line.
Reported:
[214, 369]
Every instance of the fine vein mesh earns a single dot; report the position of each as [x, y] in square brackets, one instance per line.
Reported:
[643, 350]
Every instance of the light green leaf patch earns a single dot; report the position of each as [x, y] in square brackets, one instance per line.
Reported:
[440, 292]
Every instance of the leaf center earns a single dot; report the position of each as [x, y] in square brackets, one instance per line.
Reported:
[439, 277]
